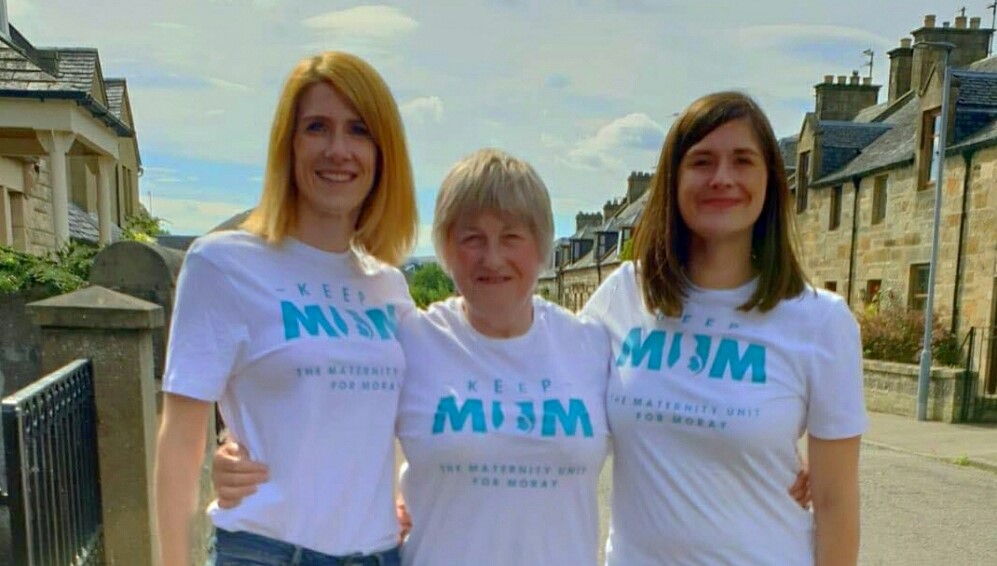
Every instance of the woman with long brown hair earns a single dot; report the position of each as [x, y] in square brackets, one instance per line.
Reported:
[726, 357]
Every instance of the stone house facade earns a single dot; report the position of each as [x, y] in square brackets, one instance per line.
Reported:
[69, 156]
[865, 185]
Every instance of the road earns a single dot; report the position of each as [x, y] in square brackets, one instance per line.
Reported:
[916, 511]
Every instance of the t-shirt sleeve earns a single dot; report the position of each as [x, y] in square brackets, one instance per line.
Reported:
[597, 307]
[836, 406]
[207, 332]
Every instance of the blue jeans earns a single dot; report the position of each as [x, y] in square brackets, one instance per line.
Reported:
[247, 549]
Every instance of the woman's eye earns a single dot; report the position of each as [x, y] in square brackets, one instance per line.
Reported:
[315, 126]
[359, 128]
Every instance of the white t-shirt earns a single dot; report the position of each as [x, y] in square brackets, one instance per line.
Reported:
[706, 411]
[299, 347]
[504, 439]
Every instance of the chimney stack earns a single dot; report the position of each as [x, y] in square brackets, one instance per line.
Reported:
[901, 63]
[844, 98]
[971, 44]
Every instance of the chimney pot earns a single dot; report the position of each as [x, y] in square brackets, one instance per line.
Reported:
[866, 81]
[974, 23]
[960, 22]
[945, 24]
[828, 79]
[854, 79]
[929, 21]
[905, 43]
[842, 79]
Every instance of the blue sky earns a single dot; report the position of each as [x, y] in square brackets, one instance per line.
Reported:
[583, 89]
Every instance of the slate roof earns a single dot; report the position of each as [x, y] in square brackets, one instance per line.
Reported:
[895, 145]
[870, 113]
[977, 89]
[66, 73]
[840, 142]
[787, 147]
[115, 93]
[86, 226]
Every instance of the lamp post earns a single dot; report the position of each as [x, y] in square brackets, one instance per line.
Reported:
[924, 377]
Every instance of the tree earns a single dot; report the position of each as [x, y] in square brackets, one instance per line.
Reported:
[143, 227]
[429, 283]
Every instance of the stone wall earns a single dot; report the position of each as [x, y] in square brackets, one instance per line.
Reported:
[892, 388]
[20, 343]
[38, 219]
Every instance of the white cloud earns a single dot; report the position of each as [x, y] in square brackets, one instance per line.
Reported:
[422, 110]
[229, 85]
[605, 149]
[192, 217]
[773, 35]
[380, 22]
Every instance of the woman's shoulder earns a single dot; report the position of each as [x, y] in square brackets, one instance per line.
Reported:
[216, 245]
[819, 306]
[566, 323]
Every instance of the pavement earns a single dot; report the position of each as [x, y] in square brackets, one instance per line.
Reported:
[962, 444]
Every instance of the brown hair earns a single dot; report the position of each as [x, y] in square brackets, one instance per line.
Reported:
[662, 238]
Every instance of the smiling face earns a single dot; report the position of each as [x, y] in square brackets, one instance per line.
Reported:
[494, 260]
[722, 182]
[335, 158]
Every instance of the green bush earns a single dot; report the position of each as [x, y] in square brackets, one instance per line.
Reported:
[51, 274]
[428, 284]
[892, 333]
[143, 227]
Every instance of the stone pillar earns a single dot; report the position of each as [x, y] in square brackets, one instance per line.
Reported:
[115, 332]
[105, 174]
[57, 144]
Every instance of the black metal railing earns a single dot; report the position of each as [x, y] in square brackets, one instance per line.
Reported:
[979, 400]
[53, 481]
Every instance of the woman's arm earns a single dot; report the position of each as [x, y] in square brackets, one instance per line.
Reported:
[179, 455]
[834, 482]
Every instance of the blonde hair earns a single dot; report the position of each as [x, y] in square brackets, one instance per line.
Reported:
[387, 224]
[492, 180]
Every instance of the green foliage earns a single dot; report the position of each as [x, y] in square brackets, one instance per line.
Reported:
[428, 284]
[892, 333]
[143, 227]
[627, 251]
[49, 274]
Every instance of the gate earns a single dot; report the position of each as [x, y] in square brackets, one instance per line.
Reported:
[979, 398]
[53, 485]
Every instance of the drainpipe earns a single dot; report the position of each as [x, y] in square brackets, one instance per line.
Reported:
[856, 182]
[967, 158]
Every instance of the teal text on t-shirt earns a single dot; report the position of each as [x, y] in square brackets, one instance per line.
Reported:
[724, 357]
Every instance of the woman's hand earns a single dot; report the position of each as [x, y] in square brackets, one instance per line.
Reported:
[800, 490]
[234, 475]
[404, 520]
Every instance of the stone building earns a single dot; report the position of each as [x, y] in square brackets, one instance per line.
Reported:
[69, 157]
[864, 183]
[588, 256]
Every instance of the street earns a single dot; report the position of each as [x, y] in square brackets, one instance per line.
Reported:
[915, 511]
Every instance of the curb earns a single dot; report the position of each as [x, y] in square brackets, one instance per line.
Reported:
[969, 463]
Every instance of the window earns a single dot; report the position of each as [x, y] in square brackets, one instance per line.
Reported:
[930, 126]
[802, 181]
[835, 219]
[625, 234]
[872, 288]
[918, 294]
[831, 286]
[879, 200]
